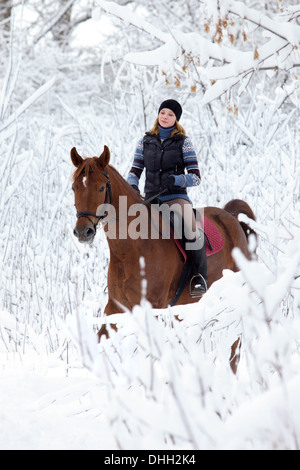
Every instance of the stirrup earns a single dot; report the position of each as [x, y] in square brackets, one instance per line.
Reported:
[200, 288]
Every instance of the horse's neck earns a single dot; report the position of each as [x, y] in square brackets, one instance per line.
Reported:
[126, 207]
[121, 190]
[133, 230]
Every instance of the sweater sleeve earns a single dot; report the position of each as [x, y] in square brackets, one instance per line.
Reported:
[137, 165]
[193, 177]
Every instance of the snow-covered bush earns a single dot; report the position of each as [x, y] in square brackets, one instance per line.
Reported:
[170, 384]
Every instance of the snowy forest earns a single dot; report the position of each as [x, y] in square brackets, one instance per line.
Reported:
[89, 73]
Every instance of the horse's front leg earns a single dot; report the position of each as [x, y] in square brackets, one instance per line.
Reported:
[111, 308]
[102, 332]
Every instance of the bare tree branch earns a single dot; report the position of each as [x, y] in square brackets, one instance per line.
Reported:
[54, 21]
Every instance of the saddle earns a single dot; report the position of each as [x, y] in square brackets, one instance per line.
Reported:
[213, 244]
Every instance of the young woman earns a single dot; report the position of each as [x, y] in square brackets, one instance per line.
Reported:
[171, 166]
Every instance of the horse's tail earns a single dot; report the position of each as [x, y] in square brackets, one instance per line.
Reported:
[236, 207]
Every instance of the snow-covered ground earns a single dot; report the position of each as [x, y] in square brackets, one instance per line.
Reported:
[44, 408]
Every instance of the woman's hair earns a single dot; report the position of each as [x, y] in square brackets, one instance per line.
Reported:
[178, 129]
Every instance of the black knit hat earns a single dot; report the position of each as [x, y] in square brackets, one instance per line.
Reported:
[173, 105]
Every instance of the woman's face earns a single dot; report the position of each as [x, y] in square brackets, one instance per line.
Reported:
[166, 118]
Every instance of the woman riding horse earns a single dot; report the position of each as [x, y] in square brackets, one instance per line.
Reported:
[98, 185]
[166, 153]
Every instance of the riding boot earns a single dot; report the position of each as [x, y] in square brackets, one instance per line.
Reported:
[199, 282]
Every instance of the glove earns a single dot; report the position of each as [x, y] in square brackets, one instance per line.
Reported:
[169, 183]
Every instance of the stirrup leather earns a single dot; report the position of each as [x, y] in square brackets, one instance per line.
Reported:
[195, 292]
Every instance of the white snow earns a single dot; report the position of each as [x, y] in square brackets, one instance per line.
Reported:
[43, 409]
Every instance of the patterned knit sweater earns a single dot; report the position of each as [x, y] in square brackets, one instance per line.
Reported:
[192, 178]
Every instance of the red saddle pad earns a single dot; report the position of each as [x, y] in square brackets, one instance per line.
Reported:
[214, 236]
[213, 239]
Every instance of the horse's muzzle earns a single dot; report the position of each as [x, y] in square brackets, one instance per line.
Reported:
[85, 233]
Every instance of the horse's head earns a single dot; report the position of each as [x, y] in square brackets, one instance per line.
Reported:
[92, 191]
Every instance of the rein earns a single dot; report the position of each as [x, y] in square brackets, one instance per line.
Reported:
[153, 197]
[108, 200]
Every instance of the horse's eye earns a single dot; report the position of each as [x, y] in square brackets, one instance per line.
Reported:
[73, 189]
[101, 189]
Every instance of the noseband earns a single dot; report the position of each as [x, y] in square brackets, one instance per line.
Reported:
[107, 200]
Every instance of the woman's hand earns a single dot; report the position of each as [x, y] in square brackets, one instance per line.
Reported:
[174, 181]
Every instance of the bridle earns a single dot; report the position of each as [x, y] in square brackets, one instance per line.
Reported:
[107, 200]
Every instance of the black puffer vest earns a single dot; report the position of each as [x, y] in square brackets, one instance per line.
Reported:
[162, 159]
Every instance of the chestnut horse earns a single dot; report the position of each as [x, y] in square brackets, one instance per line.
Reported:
[97, 184]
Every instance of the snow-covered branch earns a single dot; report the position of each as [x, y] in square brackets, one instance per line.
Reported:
[185, 52]
[125, 14]
[28, 102]
[53, 21]
[288, 31]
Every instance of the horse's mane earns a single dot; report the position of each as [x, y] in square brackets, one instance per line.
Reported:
[91, 166]
[123, 181]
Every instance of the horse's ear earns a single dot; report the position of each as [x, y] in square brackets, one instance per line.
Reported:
[75, 157]
[105, 157]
